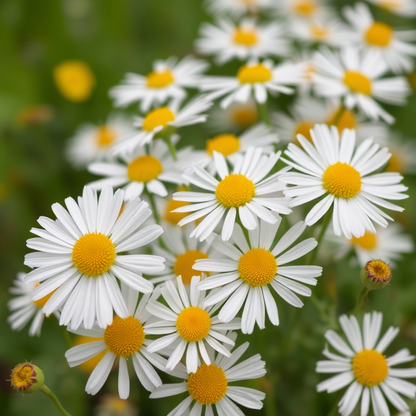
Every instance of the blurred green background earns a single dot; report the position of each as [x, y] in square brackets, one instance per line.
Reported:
[114, 37]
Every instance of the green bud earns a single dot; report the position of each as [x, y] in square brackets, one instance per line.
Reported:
[27, 378]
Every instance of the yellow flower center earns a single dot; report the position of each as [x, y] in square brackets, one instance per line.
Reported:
[23, 376]
[74, 80]
[40, 303]
[193, 324]
[370, 368]
[257, 267]
[305, 8]
[89, 365]
[367, 242]
[159, 117]
[391, 4]
[254, 74]
[105, 136]
[378, 271]
[318, 31]
[395, 163]
[144, 169]
[226, 144]
[357, 82]
[244, 116]
[303, 128]
[379, 34]
[124, 336]
[235, 191]
[246, 37]
[342, 180]
[174, 217]
[208, 385]
[159, 79]
[184, 262]
[346, 121]
[93, 254]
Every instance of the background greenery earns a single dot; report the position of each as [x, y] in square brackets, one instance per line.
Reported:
[114, 37]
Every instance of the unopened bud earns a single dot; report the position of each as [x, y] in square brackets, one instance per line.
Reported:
[27, 378]
[376, 274]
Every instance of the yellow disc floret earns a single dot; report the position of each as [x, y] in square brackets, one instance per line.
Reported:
[184, 262]
[396, 163]
[244, 115]
[342, 180]
[378, 271]
[208, 385]
[254, 74]
[367, 242]
[174, 217]
[346, 121]
[40, 303]
[23, 376]
[305, 7]
[357, 82]
[370, 368]
[303, 128]
[193, 324]
[124, 336]
[379, 34]
[105, 136]
[159, 79]
[89, 365]
[257, 267]
[235, 191]
[93, 254]
[318, 32]
[159, 117]
[226, 144]
[246, 37]
[144, 169]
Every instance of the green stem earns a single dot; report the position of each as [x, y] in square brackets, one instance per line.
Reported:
[334, 410]
[171, 148]
[153, 206]
[263, 113]
[271, 409]
[55, 400]
[361, 300]
[339, 115]
[326, 221]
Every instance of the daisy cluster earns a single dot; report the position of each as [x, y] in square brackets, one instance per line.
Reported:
[172, 250]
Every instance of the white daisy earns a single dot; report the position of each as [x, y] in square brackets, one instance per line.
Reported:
[403, 154]
[356, 78]
[125, 338]
[390, 45]
[168, 80]
[209, 387]
[188, 326]
[252, 267]
[246, 190]
[92, 143]
[79, 256]
[301, 9]
[159, 120]
[255, 78]
[238, 8]
[140, 170]
[23, 308]
[363, 366]
[244, 41]
[332, 168]
[405, 8]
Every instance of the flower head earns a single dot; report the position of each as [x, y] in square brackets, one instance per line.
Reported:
[27, 378]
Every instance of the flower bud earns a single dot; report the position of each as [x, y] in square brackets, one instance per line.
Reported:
[27, 378]
[376, 274]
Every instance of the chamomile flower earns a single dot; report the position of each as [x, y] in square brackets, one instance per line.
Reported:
[156, 121]
[209, 387]
[301, 9]
[331, 167]
[255, 78]
[123, 339]
[188, 326]
[92, 143]
[356, 78]
[403, 154]
[405, 8]
[390, 45]
[23, 308]
[238, 8]
[140, 170]
[79, 257]
[244, 41]
[361, 364]
[254, 266]
[246, 190]
[168, 80]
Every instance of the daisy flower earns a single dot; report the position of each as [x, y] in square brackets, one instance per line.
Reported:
[403, 154]
[356, 78]
[79, 256]
[237, 8]
[254, 265]
[23, 308]
[391, 46]
[168, 80]
[159, 120]
[244, 41]
[209, 387]
[405, 8]
[332, 168]
[363, 367]
[259, 78]
[246, 190]
[140, 170]
[92, 143]
[301, 9]
[188, 326]
[123, 339]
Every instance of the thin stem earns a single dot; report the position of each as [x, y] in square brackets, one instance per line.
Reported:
[334, 411]
[361, 300]
[339, 115]
[153, 206]
[55, 400]
[171, 148]
[313, 254]
[263, 113]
